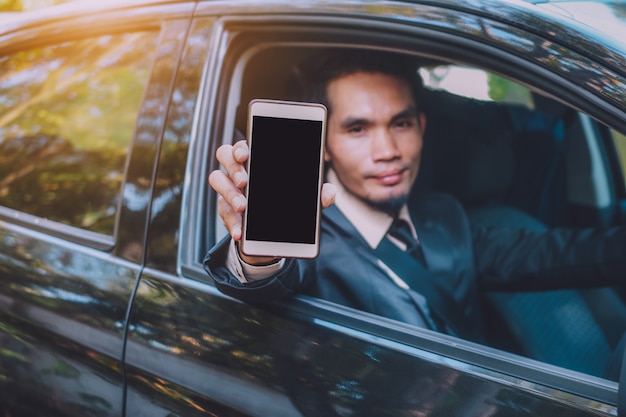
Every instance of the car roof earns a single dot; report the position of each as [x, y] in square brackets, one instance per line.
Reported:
[606, 17]
[5, 16]
[12, 21]
[562, 21]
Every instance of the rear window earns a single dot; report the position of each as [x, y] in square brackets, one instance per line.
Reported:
[67, 116]
[476, 83]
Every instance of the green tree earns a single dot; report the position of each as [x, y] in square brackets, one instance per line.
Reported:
[11, 6]
[502, 89]
[65, 133]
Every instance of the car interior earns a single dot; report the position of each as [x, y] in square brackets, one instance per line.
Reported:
[507, 164]
[510, 165]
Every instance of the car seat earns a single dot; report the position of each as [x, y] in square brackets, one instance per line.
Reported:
[501, 161]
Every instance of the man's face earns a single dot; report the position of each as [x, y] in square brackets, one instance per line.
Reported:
[374, 136]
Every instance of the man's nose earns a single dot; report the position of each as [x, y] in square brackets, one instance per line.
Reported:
[384, 146]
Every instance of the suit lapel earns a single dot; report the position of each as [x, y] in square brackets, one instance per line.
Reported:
[334, 216]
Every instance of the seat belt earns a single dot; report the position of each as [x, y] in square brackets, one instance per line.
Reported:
[424, 282]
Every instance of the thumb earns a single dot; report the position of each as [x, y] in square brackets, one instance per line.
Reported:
[329, 191]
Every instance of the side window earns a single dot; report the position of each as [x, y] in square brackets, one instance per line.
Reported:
[67, 117]
[515, 158]
[511, 156]
[476, 84]
[506, 144]
[620, 144]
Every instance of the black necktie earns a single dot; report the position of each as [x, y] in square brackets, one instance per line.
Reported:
[417, 277]
[401, 230]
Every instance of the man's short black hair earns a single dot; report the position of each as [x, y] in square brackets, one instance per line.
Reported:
[335, 63]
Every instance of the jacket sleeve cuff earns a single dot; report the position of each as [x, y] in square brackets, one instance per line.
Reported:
[287, 281]
[246, 272]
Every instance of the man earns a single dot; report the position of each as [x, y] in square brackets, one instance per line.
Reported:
[373, 148]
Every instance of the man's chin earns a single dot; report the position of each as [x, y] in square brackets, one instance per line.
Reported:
[390, 205]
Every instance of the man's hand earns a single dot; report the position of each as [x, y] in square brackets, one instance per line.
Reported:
[231, 201]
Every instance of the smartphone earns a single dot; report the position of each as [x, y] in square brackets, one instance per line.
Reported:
[285, 174]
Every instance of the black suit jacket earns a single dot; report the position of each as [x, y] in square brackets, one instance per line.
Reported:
[465, 261]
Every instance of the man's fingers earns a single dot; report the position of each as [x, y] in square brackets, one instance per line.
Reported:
[232, 195]
[229, 184]
[230, 217]
[240, 151]
[232, 158]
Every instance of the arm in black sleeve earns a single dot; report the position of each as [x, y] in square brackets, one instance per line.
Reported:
[509, 259]
[287, 282]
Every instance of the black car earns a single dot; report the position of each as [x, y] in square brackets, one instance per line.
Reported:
[110, 115]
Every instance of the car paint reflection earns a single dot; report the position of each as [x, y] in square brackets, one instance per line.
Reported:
[61, 336]
[184, 333]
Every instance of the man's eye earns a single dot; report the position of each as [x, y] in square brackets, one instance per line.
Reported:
[404, 123]
[356, 129]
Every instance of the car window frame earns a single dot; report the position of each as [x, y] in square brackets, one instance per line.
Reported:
[214, 132]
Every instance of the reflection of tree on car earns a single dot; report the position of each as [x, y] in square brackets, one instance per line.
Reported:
[85, 111]
[48, 177]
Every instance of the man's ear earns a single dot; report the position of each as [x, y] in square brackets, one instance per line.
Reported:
[422, 120]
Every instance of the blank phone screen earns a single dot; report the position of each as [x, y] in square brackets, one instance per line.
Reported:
[284, 180]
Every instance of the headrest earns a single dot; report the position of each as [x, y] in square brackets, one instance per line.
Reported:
[468, 148]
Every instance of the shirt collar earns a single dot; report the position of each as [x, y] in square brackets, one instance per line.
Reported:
[372, 224]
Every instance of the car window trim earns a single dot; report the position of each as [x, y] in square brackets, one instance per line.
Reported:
[74, 234]
[81, 20]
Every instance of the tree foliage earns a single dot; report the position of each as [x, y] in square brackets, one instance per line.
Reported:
[20, 5]
[67, 118]
[11, 6]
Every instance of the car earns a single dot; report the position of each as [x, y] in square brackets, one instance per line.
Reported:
[110, 116]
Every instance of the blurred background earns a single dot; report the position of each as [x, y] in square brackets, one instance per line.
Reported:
[25, 5]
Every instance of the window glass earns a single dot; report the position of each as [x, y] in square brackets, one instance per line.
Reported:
[475, 83]
[620, 145]
[67, 116]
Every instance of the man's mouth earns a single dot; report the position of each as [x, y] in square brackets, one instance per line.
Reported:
[391, 177]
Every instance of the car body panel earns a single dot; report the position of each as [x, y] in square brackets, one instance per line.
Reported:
[570, 64]
[63, 313]
[65, 299]
[131, 324]
[604, 17]
[244, 361]
[172, 169]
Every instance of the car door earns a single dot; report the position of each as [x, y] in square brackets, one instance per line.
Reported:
[194, 351]
[83, 94]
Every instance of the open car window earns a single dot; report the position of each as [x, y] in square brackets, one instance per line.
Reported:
[512, 157]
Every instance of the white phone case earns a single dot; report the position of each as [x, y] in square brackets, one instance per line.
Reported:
[289, 225]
